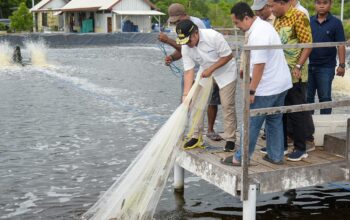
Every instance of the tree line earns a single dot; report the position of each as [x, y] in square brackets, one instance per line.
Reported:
[218, 11]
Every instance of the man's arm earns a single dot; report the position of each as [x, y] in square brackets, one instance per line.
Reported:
[305, 53]
[341, 56]
[304, 35]
[176, 55]
[221, 62]
[165, 39]
[258, 71]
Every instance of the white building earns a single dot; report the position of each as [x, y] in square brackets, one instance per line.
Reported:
[47, 15]
[105, 16]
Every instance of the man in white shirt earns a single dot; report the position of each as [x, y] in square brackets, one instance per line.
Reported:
[296, 4]
[262, 9]
[178, 13]
[270, 81]
[210, 50]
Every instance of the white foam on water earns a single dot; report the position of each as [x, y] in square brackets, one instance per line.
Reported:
[115, 162]
[60, 169]
[63, 200]
[133, 112]
[5, 54]
[38, 52]
[341, 84]
[55, 194]
[24, 207]
[81, 83]
[80, 179]
[39, 146]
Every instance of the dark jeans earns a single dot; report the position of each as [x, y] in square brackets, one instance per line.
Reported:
[300, 122]
[320, 80]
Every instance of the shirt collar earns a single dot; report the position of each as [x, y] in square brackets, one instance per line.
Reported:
[329, 16]
[253, 24]
[271, 18]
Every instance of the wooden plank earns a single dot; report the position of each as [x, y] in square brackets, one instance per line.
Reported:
[299, 108]
[296, 177]
[289, 46]
[328, 156]
[313, 159]
[272, 178]
[347, 144]
[224, 178]
[212, 159]
[335, 143]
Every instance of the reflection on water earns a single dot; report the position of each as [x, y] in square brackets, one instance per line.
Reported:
[329, 201]
[69, 128]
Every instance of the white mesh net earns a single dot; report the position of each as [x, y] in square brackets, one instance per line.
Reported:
[136, 193]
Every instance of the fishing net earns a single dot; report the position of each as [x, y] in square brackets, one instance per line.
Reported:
[136, 193]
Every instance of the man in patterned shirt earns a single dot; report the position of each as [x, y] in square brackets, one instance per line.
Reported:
[294, 27]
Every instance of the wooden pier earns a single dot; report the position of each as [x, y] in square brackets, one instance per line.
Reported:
[320, 167]
[325, 164]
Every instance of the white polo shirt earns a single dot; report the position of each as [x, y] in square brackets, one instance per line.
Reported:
[276, 77]
[197, 21]
[211, 47]
[302, 9]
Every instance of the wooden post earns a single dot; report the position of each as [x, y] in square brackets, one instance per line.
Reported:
[246, 119]
[347, 144]
[179, 178]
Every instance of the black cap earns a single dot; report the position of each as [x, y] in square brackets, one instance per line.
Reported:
[183, 31]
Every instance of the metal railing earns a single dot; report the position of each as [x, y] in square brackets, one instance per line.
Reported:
[247, 113]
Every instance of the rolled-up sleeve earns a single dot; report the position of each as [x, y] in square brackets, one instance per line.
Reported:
[223, 48]
[303, 29]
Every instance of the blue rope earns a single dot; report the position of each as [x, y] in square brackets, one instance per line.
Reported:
[176, 71]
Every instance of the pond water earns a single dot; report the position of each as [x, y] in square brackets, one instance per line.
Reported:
[72, 122]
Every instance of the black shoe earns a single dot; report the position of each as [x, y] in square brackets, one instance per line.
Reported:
[230, 146]
[192, 143]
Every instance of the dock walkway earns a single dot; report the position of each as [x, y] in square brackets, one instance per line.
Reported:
[320, 167]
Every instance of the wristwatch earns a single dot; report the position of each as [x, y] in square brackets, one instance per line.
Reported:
[342, 65]
[298, 66]
[251, 92]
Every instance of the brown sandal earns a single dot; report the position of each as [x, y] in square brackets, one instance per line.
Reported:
[228, 161]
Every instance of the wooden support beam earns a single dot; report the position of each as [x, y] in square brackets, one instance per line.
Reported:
[299, 108]
[246, 119]
[290, 46]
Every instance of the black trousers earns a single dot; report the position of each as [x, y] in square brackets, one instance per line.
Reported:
[300, 123]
